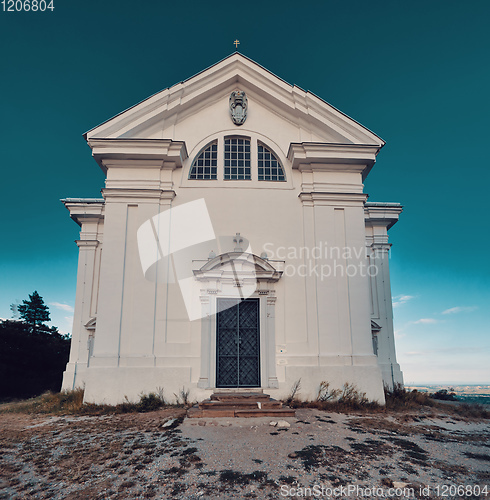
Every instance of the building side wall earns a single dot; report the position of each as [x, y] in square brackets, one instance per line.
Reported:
[86, 301]
[381, 302]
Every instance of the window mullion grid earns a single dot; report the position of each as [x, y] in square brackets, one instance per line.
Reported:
[271, 168]
[204, 166]
[239, 167]
[254, 160]
[221, 165]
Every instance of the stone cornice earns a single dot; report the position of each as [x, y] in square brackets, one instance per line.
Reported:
[382, 214]
[84, 210]
[141, 195]
[309, 156]
[380, 247]
[85, 201]
[163, 153]
[87, 243]
[336, 199]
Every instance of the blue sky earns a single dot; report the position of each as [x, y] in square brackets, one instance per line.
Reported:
[416, 73]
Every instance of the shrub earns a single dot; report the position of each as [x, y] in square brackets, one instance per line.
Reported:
[472, 411]
[399, 398]
[325, 393]
[349, 394]
[444, 395]
[346, 399]
[149, 402]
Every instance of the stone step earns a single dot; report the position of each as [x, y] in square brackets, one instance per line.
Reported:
[240, 404]
[196, 412]
[239, 396]
[230, 404]
[272, 412]
[241, 390]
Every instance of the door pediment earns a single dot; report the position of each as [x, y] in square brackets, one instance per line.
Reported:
[233, 266]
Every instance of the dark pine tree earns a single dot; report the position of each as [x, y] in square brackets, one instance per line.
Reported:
[31, 362]
[34, 311]
[32, 355]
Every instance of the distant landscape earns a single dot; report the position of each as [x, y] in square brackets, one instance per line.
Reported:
[467, 393]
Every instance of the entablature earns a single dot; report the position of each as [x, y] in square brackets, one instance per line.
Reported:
[85, 210]
[122, 153]
[316, 156]
[382, 214]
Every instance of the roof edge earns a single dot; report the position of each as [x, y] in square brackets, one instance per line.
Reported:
[82, 200]
[234, 54]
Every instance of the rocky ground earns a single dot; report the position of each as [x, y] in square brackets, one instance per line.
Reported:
[164, 455]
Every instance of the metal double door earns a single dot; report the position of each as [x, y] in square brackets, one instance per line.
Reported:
[238, 343]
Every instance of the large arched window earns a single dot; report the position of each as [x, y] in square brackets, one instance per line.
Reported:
[237, 158]
[269, 167]
[205, 165]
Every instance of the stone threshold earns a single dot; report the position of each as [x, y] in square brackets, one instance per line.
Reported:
[231, 404]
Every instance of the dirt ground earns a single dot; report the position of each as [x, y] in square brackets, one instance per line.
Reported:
[163, 455]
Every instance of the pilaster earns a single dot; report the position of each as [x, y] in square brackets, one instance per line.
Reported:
[139, 186]
[333, 207]
[205, 374]
[270, 338]
[379, 218]
[89, 214]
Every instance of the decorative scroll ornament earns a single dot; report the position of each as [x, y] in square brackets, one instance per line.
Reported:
[238, 107]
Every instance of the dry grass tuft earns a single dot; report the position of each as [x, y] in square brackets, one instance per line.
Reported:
[58, 403]
[348, 398]
[400, 399]
[71, 402]
[182, 398]
[474, 411]
[293, 393]
[327, 394]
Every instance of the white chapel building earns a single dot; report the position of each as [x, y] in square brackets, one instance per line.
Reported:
[233, 246]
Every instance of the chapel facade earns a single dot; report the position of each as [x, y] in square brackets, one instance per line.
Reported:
[233, 246]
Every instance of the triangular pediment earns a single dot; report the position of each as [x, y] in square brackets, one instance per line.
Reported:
[159, 115]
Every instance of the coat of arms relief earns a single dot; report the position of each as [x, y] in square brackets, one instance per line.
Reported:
[238, 107]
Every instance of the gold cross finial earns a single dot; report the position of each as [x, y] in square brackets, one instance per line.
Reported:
[237, 43]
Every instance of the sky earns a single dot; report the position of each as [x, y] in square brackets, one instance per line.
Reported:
[416, 73]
